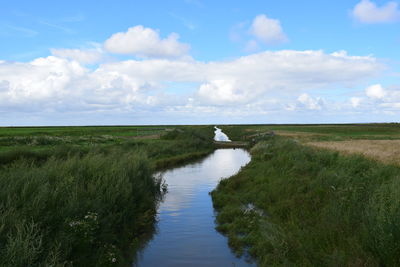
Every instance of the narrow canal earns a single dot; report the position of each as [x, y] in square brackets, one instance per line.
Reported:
[186, 234]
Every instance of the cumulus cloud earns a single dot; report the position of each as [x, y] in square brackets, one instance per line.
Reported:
[244, 79]
[38, 80]
[378, 100]
[375, 91]
[58, 84]
[162, 79]
[262, 30]
[222, 92]
[288, 71]
[256, 83]
[309, 102]
[384, 97]
[267, 30]
[84, 56]
[146, 42]
[367, 11]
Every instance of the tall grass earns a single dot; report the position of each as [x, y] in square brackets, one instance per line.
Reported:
[86, 205]
[182, 140]
[298, 206]
[75, 210]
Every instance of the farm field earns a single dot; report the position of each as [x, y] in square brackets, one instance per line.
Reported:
[298, 205]
[375, 141]
[319, 132]
[386, 151]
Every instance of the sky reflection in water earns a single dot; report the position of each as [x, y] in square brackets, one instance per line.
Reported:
[186, 233]
[220, 136]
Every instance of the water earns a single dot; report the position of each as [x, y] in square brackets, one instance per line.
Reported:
[220, 136]
[186, 234]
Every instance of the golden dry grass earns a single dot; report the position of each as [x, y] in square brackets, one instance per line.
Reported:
[301, 136]
[387, 151]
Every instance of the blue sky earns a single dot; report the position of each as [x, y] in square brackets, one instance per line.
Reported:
[197, 61]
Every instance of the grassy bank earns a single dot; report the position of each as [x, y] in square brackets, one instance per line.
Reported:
[84, 200]
[298, 206]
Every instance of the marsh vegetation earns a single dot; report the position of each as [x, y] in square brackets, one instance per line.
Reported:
[87, 196]
[74, 196]
[295, 205]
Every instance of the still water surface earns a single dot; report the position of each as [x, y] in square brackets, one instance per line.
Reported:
[220, 135]
[186, 234]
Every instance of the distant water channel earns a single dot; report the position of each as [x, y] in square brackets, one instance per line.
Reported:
[186, 234]
[220, 136]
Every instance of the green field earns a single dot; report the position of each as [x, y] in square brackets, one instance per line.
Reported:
[381, 131]
[295, 205]
[86, 196]
[83, 130]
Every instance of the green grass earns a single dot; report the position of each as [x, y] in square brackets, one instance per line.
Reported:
[42, 138]
[85, 200]
[44, 208]
[83, 130]
[40, 147]
[82, 196]
[328, 132]
[297, 206]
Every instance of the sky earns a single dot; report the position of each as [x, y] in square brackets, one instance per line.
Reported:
[199, 62]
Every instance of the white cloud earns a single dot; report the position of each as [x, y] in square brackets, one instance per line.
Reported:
[57, 84]
[367, 11]
[287, 71]
[267, 30]
[308, 102]
[260, 31]
[255, 84]
[375, 91]
[38, 80]
[146, 42]
[355, 101]
[164, 82]
[378, 100]
[84, 56]
[383, 99]
[250, 77]
[222, 92]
